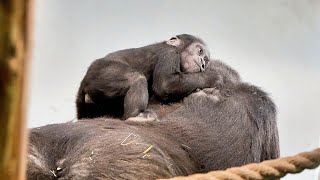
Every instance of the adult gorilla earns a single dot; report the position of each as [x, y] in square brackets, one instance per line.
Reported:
[210, 130]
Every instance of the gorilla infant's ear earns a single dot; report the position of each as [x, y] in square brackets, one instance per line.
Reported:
[174, 41]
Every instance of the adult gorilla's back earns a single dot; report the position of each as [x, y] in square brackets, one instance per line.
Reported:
[239, 130]
[210, 130]
[103, 150]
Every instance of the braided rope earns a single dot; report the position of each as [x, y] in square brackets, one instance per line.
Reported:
[270, 169]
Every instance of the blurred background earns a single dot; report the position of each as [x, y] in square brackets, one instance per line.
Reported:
[273, 44]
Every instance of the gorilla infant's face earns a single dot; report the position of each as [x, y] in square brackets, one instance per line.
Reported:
[194, 58]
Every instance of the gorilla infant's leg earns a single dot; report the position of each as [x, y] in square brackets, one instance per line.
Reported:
[136, 100]
[116, 82]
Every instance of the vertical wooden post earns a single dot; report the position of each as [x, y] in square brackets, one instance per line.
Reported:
[14, 38]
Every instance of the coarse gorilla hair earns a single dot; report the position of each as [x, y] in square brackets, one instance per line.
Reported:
[209, 130]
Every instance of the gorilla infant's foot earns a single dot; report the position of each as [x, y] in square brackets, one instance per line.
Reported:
[87, 99]
[147, 115]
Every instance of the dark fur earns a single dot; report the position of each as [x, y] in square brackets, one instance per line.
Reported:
[198, 135]
[240, 129]
[70, 146]
[118, 83]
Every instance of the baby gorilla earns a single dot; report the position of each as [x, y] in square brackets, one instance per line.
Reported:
[119, 84]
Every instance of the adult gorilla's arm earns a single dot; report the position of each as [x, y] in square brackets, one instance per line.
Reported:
[262, 111]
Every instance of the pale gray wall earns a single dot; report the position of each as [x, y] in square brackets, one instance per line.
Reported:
[273, 44]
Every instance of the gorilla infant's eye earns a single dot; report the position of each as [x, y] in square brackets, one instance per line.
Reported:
[200, 51]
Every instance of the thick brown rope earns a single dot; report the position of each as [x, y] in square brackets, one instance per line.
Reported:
[270, 169]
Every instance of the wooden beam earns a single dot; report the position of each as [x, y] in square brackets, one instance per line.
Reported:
[15, 18]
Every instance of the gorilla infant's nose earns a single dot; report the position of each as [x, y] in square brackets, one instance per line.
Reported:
[203, 64]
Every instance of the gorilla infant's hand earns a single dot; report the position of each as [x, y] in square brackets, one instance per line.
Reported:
[213, 79]
[212, 94]
[220, 75]
[145, 116]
